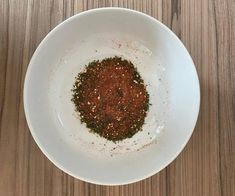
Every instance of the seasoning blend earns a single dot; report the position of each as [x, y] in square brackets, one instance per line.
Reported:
[111, 98]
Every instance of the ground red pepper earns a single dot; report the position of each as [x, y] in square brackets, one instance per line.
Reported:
[111, 98]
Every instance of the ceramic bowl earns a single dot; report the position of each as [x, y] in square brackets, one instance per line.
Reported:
[164, 64]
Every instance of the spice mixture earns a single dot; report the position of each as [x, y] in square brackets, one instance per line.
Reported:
[111, 98]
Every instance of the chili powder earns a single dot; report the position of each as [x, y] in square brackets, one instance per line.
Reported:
[111, 98]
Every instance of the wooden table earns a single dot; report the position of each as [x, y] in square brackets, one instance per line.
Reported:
[206, 167]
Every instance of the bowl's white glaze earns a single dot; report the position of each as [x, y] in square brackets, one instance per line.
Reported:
[162, 61]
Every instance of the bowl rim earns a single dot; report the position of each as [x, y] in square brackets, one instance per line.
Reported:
[27, 113]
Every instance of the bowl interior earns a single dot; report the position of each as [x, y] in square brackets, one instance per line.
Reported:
[166, 68]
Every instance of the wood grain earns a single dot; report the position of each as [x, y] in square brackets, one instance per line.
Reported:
[206, 167]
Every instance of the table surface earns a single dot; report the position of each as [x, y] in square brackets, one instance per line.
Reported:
[206, 167]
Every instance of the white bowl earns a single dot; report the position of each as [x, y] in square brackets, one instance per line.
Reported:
[162, 61]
